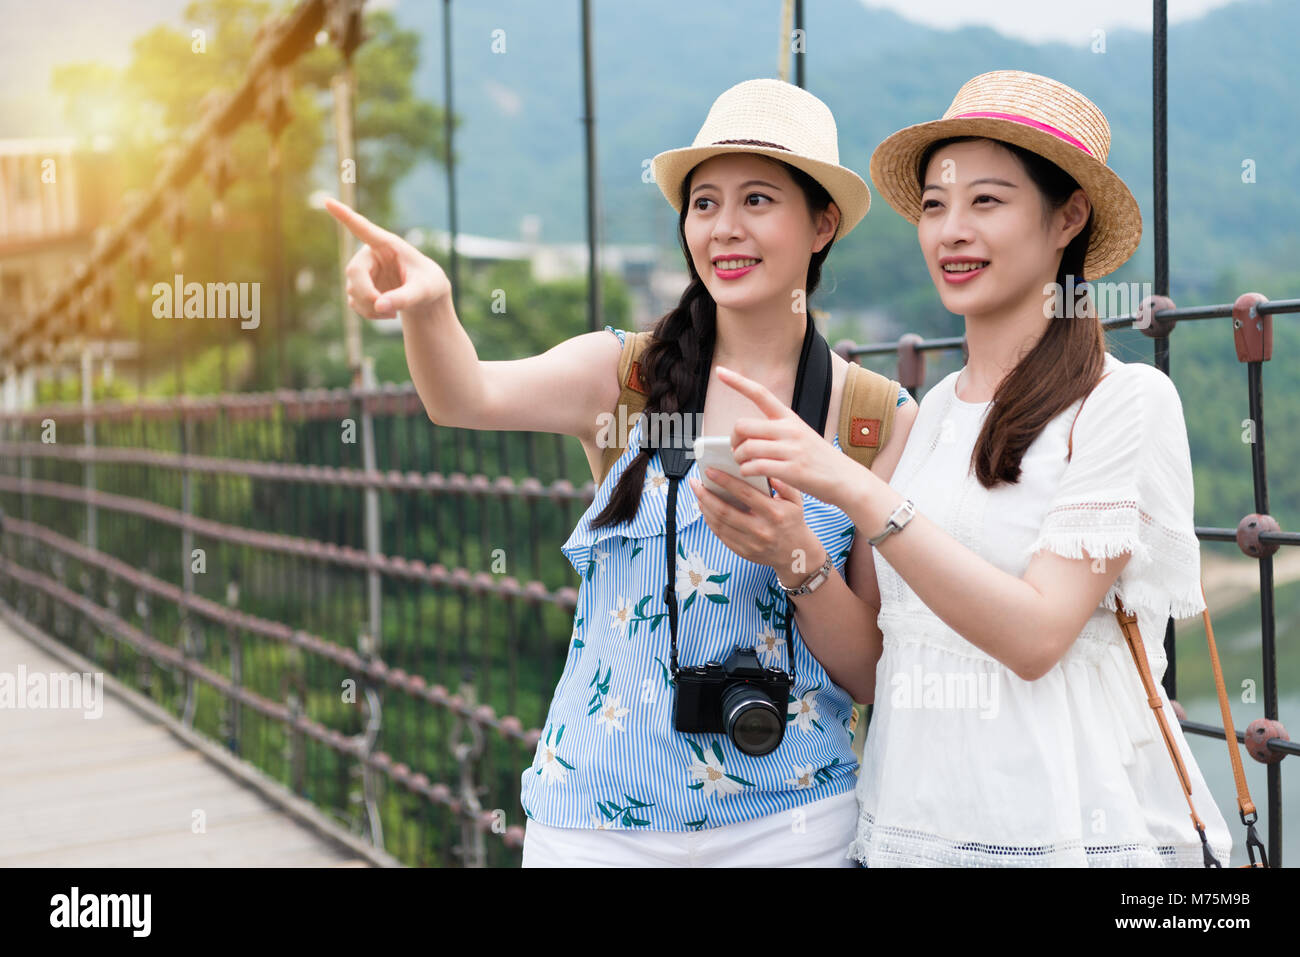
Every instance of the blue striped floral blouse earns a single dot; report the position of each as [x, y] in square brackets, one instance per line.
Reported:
[609, 756]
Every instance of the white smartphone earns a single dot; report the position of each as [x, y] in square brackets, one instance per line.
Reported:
[714, 451]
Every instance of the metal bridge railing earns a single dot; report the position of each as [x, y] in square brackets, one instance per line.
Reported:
[212, 553]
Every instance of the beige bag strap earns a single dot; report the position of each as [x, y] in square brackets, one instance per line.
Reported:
[633, 397]
[866, 407]
[866, 413]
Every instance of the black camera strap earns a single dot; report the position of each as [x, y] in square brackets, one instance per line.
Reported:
[812, 405]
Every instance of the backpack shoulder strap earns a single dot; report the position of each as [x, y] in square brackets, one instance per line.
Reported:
[866, 413]
[633, 397]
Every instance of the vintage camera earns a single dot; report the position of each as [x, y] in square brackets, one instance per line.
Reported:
[739, 696]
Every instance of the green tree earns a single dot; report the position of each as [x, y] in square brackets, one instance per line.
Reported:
[156, 100]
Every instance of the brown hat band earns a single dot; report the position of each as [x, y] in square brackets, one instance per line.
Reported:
[775, 146]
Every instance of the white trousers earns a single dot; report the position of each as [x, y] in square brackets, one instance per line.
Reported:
[816, 834]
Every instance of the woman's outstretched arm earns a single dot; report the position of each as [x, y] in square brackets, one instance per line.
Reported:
[563, 390]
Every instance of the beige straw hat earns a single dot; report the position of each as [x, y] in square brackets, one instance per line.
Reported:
[1043, 116]
[776, 119]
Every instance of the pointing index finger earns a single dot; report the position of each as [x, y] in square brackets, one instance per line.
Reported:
[356, 224]
[754, 391]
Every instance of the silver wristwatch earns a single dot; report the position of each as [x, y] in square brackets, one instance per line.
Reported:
[900, 517]
[812, 582]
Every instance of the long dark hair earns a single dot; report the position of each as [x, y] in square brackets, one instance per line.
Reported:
[1066, 361]
[680, 343]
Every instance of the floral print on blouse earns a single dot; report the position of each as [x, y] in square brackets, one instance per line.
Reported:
[609, 756]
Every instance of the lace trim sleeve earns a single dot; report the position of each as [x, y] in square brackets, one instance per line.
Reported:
[1128, 489]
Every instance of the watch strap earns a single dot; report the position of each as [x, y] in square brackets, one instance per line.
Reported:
[892, 524]
[806, 586]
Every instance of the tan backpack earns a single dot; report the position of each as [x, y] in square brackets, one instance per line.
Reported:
[866, 409]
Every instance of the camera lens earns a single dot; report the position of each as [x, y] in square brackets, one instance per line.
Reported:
[751, 720]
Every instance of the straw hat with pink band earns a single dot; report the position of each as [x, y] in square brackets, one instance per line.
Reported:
[1041, 115]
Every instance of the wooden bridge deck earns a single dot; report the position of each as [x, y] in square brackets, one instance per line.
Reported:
[121, 790]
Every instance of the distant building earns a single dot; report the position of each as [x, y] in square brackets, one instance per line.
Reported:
[653, 290]
[53, 196]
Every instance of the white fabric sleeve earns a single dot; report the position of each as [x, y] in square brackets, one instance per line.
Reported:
[1128, 488]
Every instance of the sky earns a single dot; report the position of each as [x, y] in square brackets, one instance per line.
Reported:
[36, 36]
[1038, 21]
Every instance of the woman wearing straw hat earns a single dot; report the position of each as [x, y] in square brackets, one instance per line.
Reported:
[1010, 727]
[761, 197]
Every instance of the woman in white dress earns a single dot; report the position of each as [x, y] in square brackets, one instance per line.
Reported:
[1042, 481]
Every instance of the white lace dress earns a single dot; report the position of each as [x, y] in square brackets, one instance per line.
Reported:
[967, 764]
